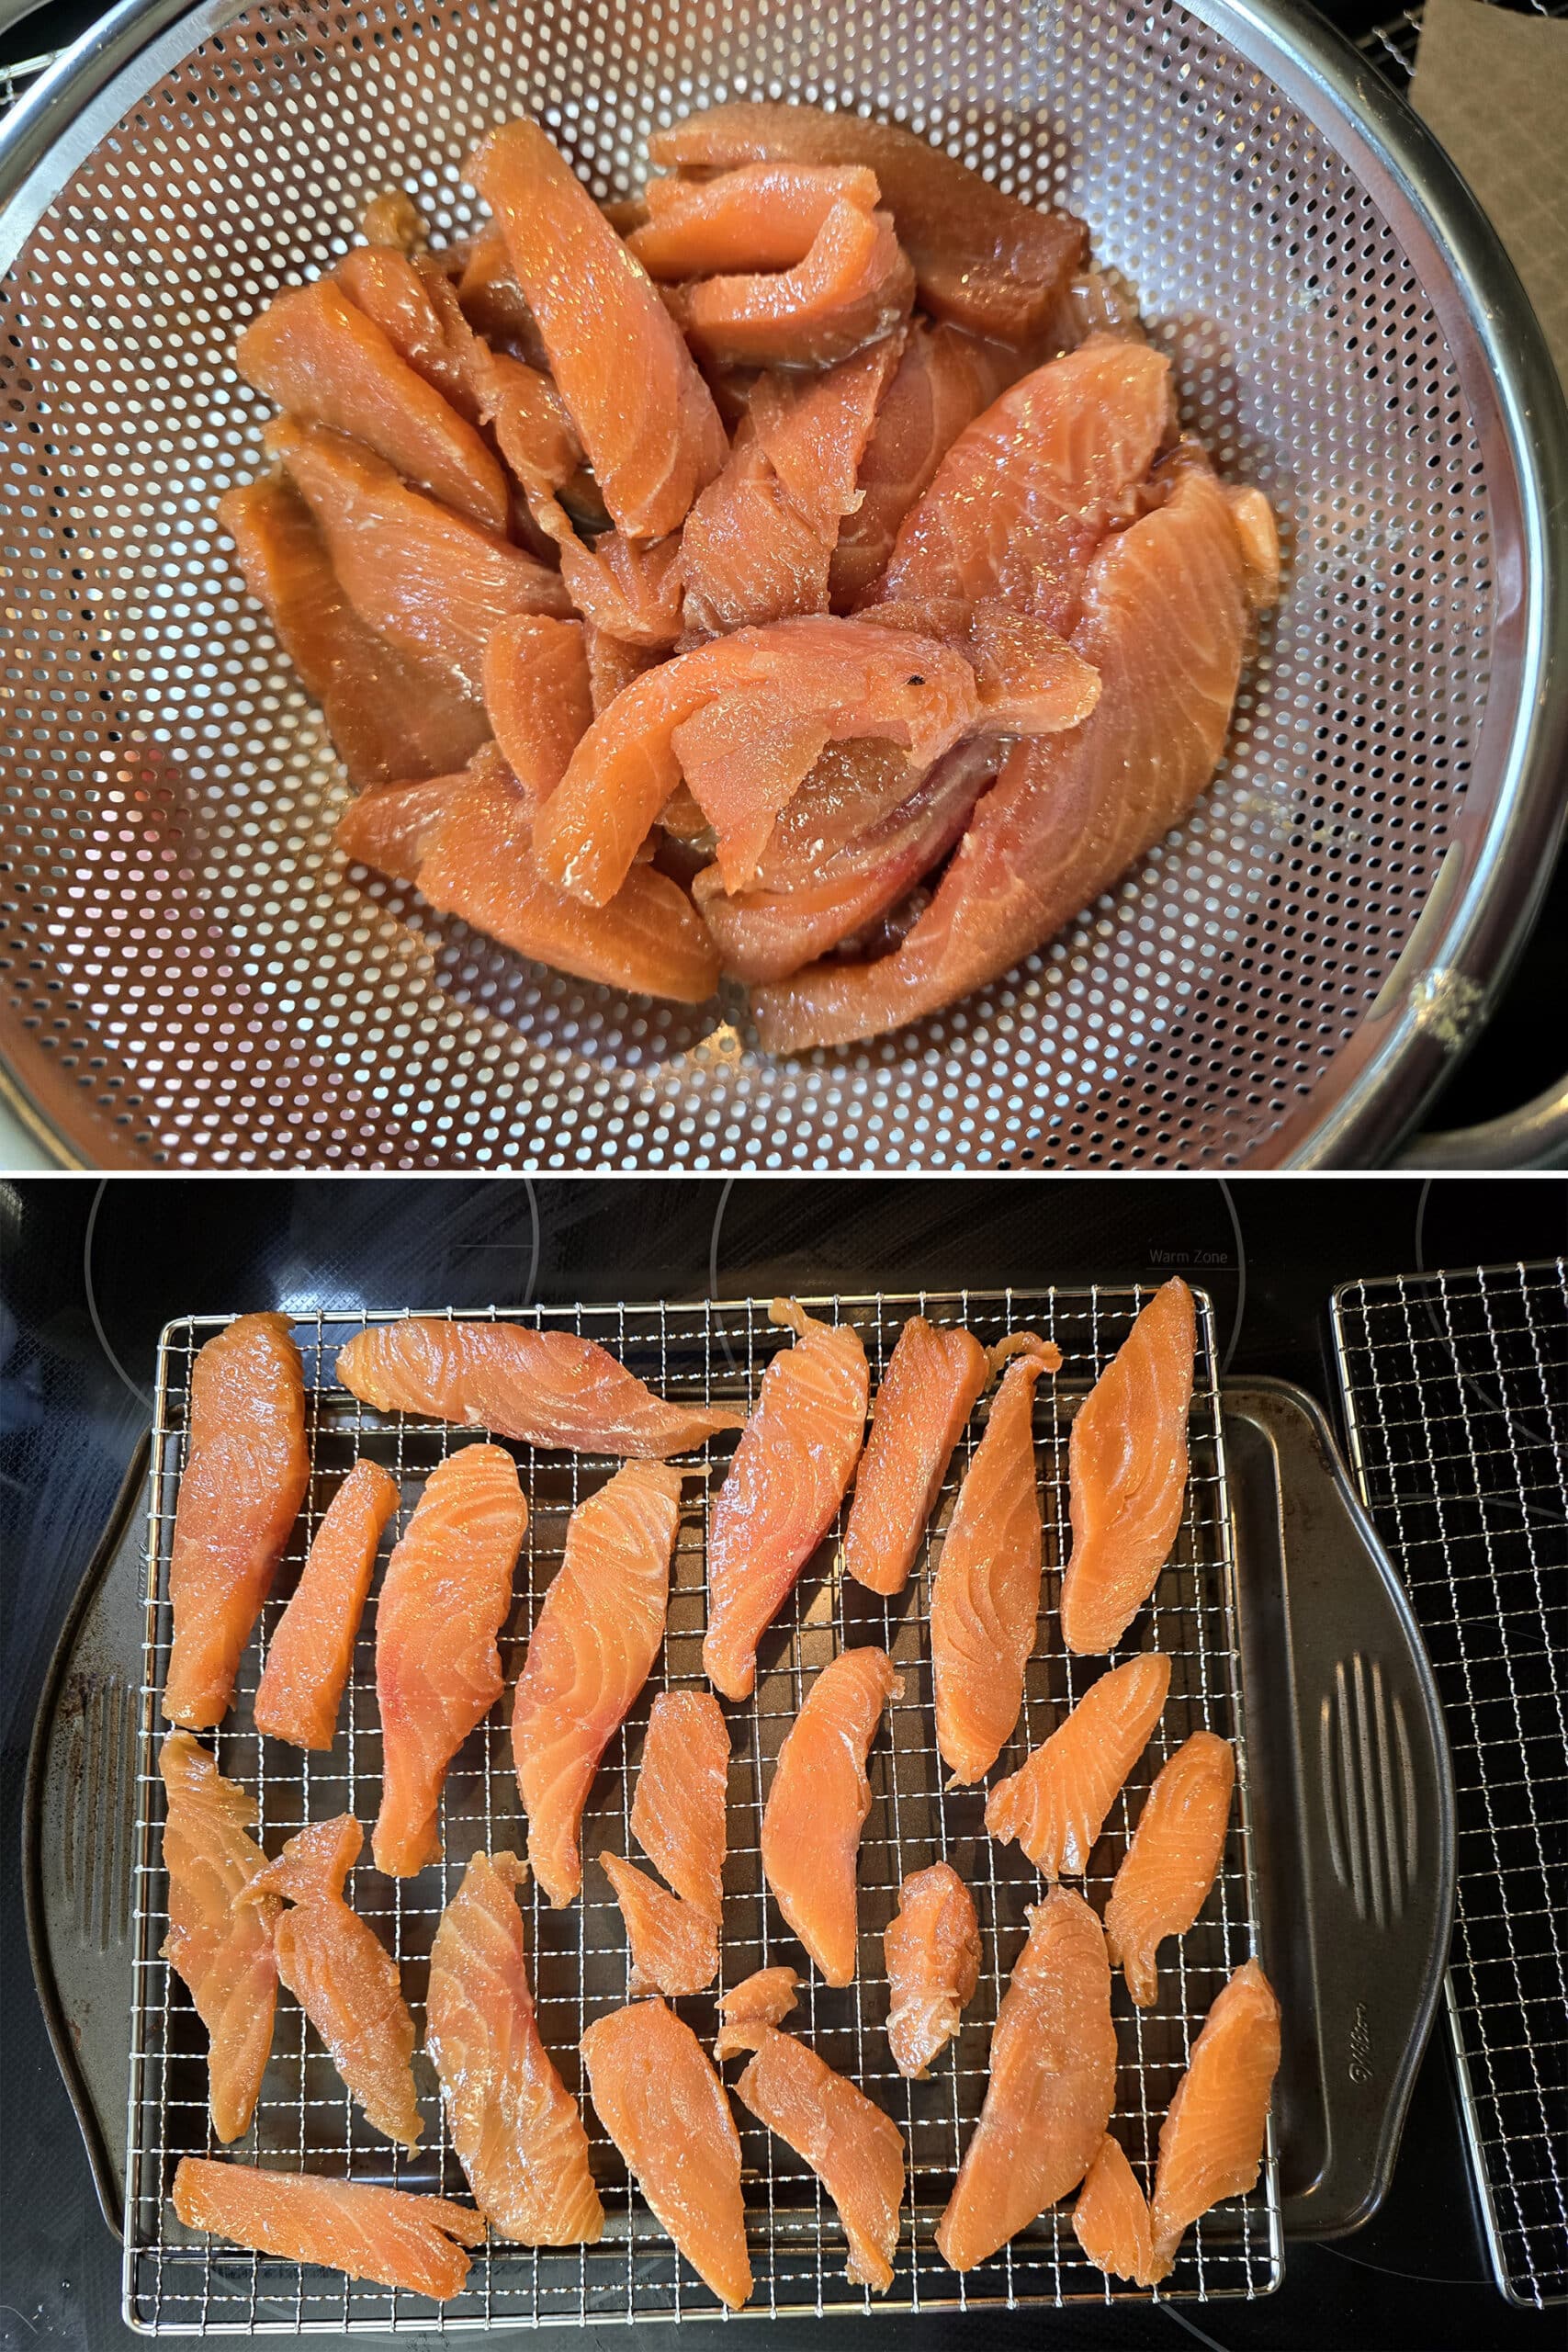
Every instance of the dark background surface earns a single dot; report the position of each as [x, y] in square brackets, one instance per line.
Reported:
[92, 1269]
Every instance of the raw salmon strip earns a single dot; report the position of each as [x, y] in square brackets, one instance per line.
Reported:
[1171, 1864]
[1211, 2143]
[854, 285]
[593, 1643]
[985, 1605]
[788, 1477]
[611, 665]
[221, 1947]
[391, 828]
[415, 306]
[759, 1999]
[443, 1600]
[856, 2150]
[535, 682]
[678, 1812]
[1127, 1472]
[1111, 2219]
[382, 2234]
[818, 1804]
[1027, 679]
[604, 329]
[1056, 1803]
[1052, 2085]
[666, 2110]
[763, 215]
[547, 1389]
[344, 1980]
[931, 1946]
[932, 1382]
[245, 1474]
[516, 2129]
[308, 1657]
[675, 1946]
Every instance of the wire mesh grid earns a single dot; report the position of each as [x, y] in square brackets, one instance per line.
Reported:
[1456, 1396]
[1392, 44]
[177, 2281]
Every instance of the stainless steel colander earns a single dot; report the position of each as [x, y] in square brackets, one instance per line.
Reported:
[190, 976]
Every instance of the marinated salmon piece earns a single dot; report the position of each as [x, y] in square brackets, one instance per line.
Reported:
[1127, 1472]
[856, 2150]
[675, 1946]
[517, 2130]
[217, 1946]
[611, 665]
[535, 681]
[763, 215]
[603, 327]
[1051, 2088]
[791, 1468]
[854, 285]
[246, 1474]
[342, 1977]
[984, 1606]
[757, 2000]
[391, 828]
[847, 794]
[931, 1946]
[1111, 2219]
[308, 1657]
[1211, 2143]
[416, 308]
[932, 1385]
[533, 430]
[443, 1600]
[818, 1804]
[382, 2233]
[667, 2112]
[1171, 1864]
[678, 1811]
[1028, 681]
[632, 589]
[394, 221]
[593, 1643]
[492, 301]
[1055, 1804]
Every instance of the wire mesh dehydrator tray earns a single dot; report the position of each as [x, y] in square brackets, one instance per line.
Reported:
[177, 2282]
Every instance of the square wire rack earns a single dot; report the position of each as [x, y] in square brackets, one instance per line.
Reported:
[177, 2281]
[1456, 1400]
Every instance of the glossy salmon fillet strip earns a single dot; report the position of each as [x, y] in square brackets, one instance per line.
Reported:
[1127, 1472]
[308, 1657]
[1211, 2143]
[220, 1947]
[675, 1946]
[1051, 2088]
[516, 2129]
[757, 2000]
[856, 2150]
[1171, 1865]
[667, 2112]
[853, 787]
[818, 1806]
[390, 829]
[931, 1946]
[1055, 1803]
[536, 683]
[343, 1978]
[548, 1387]
[444, 1597]
[246, 1474]
[853, 286]
[1111, 2219]
[984, 1604]
[603, 326]
[611, 665]
[932, 1385]
[789, 1475]
[761, 216]
[415, 306]
[678, 1811]
[382, 2233]
[594, 1645]
[1027, 679]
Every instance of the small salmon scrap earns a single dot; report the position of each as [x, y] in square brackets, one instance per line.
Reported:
[246, 1470]
[308, 1657]
[1055, 1804]
[818, 1806]
[1051, 2090]
[516, 2129]
[414, 2242]
[853, 286]
[391, 828]
[673, 1945]
[1127, 1472]
[536, 683]
[667, 2112]
[1171, 1864]
[794, 1461]
[443, 1600]
[761, 215]
[1211, 2143]
[678, 1811]
[856, 2150]
[759, 1999]
[932, 1385]
[984, 1604]
[1111, 2219]
[594, 1641]
[548, 1387]
[931, 1946]
[220, 1947]
[341, 1975]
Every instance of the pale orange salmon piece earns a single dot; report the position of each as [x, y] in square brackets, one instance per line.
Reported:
[443, 1600]
[1055, 1803]
[761, 215]
[342, 1977]
[593, 1644]
[517, 2130]
[852, 789]
[818, 1806]
[853, 286]
[308, 1657]
[1051, 2088]
[1127, 1472]
[788, 1479]
[675, 1946]
[246, 1470]
[856, 2150]
[416, 308]
[391, 828]
[1027, 679]
[382, 2233]
[932, 1385]
[535, 682]
[1111, 2219]
[758, 1999]
[931, 1946]
[611, 665]
[1171, 1864]
[678, 1812]
[1211, 2143]
[220, 1947]
[666, 2109]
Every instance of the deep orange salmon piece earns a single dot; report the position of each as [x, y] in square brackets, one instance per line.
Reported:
[1127, 1472]
[382, 2234]
[1055, 1803]
[220, 1947]
[308, 1657]
[818, 1804]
